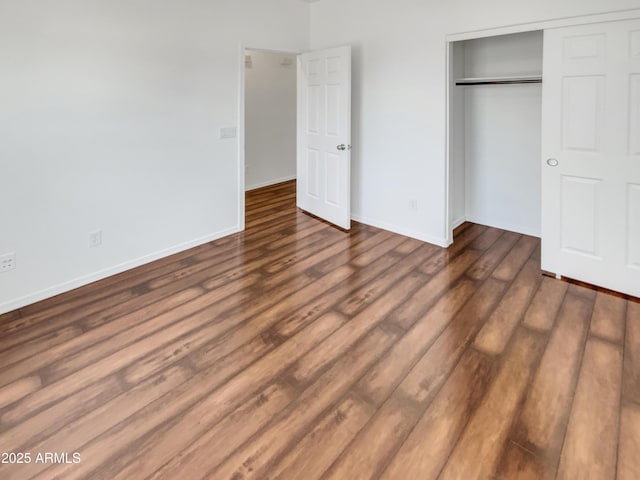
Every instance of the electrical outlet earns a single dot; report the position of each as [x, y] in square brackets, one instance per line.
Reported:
[95, 239]
[413, 204]
[7, 262]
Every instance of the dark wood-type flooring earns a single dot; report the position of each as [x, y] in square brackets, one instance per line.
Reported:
[298, 351]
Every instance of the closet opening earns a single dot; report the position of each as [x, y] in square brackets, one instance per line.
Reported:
[495, 102]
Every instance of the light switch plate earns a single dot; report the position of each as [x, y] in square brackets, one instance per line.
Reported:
[228, 132]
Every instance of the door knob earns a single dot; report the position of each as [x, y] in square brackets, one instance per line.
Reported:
[552, 162]
[343, 147]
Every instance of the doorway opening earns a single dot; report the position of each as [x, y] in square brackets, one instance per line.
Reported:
[270, 109]
[311, 118]
[270, 118]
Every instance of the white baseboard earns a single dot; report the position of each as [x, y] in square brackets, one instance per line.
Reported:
[488, 222]
[269, 182]
[108, 272]
[441, 242]
[456, 223]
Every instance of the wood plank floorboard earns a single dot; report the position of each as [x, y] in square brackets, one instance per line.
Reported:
[296, 350]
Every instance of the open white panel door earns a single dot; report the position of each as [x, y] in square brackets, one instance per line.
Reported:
[591, 154]
[324, 135]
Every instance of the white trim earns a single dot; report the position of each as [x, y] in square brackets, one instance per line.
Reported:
[441, 242]
[448, 230]
[241, 167]
[267, 183]
[613, 16]
[511, 227]
[456, 223]
[108, 272]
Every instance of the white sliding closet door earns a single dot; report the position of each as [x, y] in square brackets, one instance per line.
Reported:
[591, 154]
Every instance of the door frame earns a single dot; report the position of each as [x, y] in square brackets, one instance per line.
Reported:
[242, 48]
[492, 32]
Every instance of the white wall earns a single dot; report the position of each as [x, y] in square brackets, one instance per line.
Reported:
[502, 134]
[518, 54]
[270, 118]
[400, 94]
[503, 148]
[109, 120]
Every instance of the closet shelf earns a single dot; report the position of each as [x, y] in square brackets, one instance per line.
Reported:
[499, 80]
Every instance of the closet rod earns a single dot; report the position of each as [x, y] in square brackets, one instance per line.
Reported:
[498, 82]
